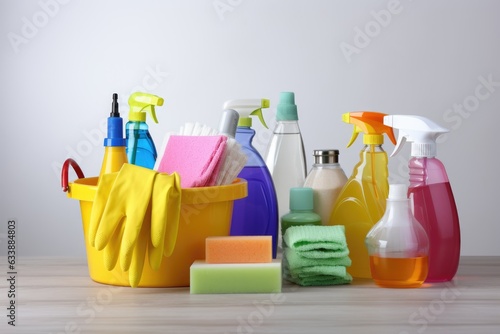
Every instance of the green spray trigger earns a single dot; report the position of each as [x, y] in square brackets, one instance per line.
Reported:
[140, 103]
[258, 113]
[247, 108]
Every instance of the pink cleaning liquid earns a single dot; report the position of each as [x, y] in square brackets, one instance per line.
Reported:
[434, 207]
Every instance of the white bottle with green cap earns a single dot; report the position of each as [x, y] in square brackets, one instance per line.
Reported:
[285, 155]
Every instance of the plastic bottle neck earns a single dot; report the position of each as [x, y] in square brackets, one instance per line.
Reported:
[423, 150]
[244, 135]
[397, 213]
[287, 127]
[141, 123]
[301, 211]
[371, 148]
[326, 166]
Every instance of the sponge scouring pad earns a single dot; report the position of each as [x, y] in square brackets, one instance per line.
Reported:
[208, 278]
[239, 249]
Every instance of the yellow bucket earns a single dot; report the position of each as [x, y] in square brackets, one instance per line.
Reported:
[205, 211]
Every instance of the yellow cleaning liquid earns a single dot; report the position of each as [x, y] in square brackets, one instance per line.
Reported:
[361, 204]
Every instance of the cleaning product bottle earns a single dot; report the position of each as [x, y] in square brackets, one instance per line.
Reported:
[301, 210]
[431, 194]
[361, 202]
[285, 156]
[257, 214]
[398, 245]
[114, 143]
[326, 178]
[141, 149]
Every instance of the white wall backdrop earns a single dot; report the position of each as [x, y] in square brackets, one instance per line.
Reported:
[60, 62]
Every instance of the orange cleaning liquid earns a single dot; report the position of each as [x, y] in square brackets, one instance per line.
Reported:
[393, 272]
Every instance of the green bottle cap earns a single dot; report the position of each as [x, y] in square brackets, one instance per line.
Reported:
[301, 199]
[287, 109]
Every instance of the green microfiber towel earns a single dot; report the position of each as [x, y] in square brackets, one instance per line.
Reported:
[315, 270]
[296, 260]
[316, 255]
[317, 241]
[316, 280]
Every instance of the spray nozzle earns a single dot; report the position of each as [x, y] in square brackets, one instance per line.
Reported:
[229, 122]
[115, 107]
[247, 108]
[420, 131]
[140, 103]
[115, 126]
[371, 123]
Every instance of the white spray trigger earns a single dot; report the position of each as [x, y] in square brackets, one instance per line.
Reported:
[402, 137]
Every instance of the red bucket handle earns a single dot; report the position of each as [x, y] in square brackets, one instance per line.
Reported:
[65, 172]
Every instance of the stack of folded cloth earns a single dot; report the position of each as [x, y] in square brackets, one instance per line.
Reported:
[316, 255]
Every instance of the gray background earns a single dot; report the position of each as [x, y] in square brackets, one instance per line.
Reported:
[60, 62]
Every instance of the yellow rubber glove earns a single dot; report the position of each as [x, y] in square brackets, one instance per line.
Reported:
[127, 204]
[139, 252]
[101, 198]
[112, 249]
[165, 214]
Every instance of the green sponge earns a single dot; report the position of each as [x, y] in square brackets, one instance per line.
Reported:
[235, 277]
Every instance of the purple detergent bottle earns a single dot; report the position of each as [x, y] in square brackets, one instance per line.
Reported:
[430, 191]
[256, 214]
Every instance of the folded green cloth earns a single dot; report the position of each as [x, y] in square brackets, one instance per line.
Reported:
[296, 260]
[317, 242]
[316, 255]
[315, 270]
[316, 280]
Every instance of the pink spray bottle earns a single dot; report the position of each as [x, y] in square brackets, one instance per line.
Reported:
[430, 193]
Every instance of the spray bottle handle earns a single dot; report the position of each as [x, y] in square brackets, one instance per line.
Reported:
[402, 136]
[258, 113]
[355, 132]
[143, 102]
[152, 112]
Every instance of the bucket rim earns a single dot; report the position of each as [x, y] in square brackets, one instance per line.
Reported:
[84, 189]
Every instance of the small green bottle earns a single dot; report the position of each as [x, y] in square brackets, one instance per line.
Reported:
[301, 210]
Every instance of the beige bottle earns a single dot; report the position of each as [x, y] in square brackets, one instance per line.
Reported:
[326, 178]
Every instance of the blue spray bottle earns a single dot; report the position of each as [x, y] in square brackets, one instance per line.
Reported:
[257, 214]
[141, 149]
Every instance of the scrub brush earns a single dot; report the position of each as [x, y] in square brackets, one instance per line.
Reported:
[234, 159]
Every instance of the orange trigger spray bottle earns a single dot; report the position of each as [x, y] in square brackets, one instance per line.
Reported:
[361, 202]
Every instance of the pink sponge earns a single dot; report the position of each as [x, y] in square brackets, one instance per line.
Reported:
[197, 159]
[239, 249]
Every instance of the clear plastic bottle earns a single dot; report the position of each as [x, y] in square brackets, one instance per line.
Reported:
[398, 245]
[141, 149]
[285, 156]
[326, 178]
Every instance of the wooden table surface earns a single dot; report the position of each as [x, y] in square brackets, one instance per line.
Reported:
[56, 295]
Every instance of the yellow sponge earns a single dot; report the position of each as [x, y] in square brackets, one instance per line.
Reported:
[239, 249]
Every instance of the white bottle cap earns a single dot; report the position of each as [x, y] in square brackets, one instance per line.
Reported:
[398, 191]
